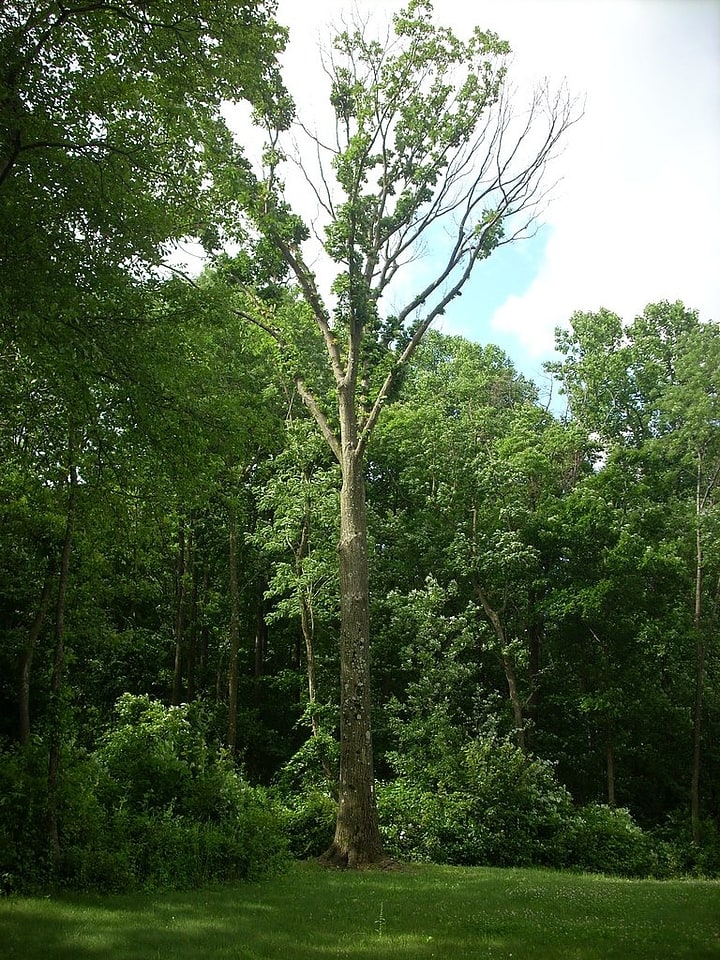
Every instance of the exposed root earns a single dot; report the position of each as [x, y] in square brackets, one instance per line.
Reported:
[335, 858]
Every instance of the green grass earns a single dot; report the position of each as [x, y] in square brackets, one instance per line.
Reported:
[418, 912]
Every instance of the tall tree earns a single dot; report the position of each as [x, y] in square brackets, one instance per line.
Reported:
[111, 137]
[690, 418]
[426, 147]
[648, 392]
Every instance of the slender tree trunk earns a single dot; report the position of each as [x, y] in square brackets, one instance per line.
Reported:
[533, 703]
[699, 666]
[308, 637]
[261, 636]
[179, 616]
[233, 672]
[308, 632]
[610, 764]
[357, 835]
[507, 664]
[56, 681]
[192, 655]
[307, 624]
[27, 655]
[203, 664]
[515, 702]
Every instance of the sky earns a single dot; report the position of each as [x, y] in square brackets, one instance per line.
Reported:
[635, 218]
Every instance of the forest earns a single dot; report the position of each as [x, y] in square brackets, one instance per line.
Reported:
[283, 573]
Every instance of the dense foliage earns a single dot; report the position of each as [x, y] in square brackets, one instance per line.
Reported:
[151, 807]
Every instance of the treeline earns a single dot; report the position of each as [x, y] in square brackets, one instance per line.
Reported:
[544, 591]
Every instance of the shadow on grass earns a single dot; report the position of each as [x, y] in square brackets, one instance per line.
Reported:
[311, 914]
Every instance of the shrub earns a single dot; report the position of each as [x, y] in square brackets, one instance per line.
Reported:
[155, 757]
[519, 802]
[491, 804]
[309, 821]
[404, 811]
[417, 824]
[682, 855]
[153, 808]
[603, 839]
[180, 812]
[24, 853]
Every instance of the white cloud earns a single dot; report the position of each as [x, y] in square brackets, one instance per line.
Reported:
[637, 214]
[638, 217]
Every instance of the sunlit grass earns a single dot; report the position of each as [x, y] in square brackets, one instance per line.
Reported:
[418, 912]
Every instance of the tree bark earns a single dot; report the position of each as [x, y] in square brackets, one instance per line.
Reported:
[56, 681]
[179, 616]
[507, 664]
[610, 764]
[233, 673]
[261, 642]
[517, 709]
[699, 666]
[357, 835]
[27, 655]
[308, 637]
[192, 653]
[533, 702]
[203, 652]
[307, 624]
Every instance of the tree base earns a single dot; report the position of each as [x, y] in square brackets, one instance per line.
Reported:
[337, 858]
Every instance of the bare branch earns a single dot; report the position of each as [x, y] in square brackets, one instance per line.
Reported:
[294, 259]
[318, 414]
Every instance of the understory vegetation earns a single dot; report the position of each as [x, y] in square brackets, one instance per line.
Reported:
[154, 807]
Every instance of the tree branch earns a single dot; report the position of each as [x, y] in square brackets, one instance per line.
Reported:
[318, 414]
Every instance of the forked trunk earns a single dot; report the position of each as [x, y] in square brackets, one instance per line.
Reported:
[357, 835]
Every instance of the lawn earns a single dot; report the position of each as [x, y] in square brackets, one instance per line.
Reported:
[417, 912]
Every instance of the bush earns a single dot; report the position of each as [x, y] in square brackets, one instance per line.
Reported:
[24, 853]
[181, 814]
[417, 824]
[309, 821]
[602, 839]
[153, 808]
[682, 855]
[491, 804]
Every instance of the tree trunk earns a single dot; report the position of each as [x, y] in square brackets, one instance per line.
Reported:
[507, 664]
[610, 764]
[518, 721]
[233, 673]
[357, 835]
[26, 658]
[307, 622]
[192, 654]
[307, 632]
[179, 616]
[261, 638]
[699, 667]
[533, 702]
[58, 665]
